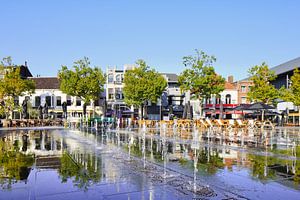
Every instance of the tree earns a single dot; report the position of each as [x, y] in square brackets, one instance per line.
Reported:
[292, 93]
[84, 81]
[200, 78]
[12, 85]
[262, 89]
[143, 84]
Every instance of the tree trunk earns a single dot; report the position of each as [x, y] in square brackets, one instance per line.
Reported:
[262, 115]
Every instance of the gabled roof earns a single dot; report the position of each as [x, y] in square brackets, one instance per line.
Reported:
[287, 66]
[25, 72]
[46, 82]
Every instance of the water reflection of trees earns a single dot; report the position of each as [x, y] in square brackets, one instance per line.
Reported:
[210, 161]
[82, 168]
[14, 165]
[266, 168]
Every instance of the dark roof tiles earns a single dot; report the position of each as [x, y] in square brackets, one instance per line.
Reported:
[46, 82]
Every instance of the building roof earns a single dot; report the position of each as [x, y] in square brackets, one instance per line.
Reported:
[287, 66]
[25, 72]
[229, 86]
[46, 82]
[171, 77]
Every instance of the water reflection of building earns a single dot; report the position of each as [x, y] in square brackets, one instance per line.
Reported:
[40, 143]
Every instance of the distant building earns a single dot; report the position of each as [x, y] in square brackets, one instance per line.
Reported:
[24, 71]
[114, 92]
[116, 107]
[243, 87]
[48, 91]
[284, 73]
[171, 103]
[223, 103]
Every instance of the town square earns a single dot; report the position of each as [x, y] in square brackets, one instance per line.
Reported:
[149, 100]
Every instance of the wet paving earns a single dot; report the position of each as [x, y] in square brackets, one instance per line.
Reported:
[149, 164]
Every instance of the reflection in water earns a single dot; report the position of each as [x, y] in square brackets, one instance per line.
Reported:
[19, 150]
[80, 167]
[210, 159]
[14, 165]
[87, 158]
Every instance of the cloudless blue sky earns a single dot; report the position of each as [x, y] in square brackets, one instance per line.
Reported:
[239, 33]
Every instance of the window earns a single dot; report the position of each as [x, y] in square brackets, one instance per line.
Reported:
[110, 93]
[58, 101]
[243, 88]
[243, 100]
[119, 78]
[110, 78]
[48, 101]
[37, 101]
[69, 101]
[119, 94]
[228, 99]
[78, 101]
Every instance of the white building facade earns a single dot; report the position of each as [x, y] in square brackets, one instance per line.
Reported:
[47, 91]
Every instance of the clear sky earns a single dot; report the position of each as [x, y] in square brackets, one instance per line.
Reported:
[239, 33]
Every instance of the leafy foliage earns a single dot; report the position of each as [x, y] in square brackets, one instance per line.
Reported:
[143, 84]
[262, 90]
[84, 81]
[292, 94]
[83, 175]
[12, 85]
[200, 78]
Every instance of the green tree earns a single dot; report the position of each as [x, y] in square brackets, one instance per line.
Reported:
[84, 81]
[262, 89]
[12, 85]
[200, 77]
[292, 93]
[143, 84]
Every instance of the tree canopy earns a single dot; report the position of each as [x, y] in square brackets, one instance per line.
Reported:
[143, 84]
[262, 89]
[12, 85]
[84, 81]
[200, 77]
[292, 94]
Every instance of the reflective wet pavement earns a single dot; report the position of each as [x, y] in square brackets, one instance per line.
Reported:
[146, 164]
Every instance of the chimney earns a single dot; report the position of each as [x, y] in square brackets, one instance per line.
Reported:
[25, 63]
[230, 79]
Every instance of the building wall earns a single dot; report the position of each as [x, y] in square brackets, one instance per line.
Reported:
[54, 95]
[243, 87]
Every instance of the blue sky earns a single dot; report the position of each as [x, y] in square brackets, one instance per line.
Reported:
[239, 33]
